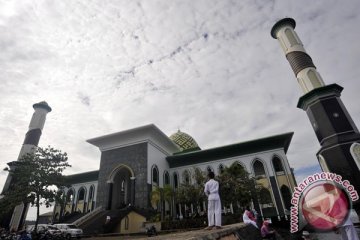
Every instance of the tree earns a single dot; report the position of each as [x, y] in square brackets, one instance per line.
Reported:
[158, 196]
[237, 186]
[189, 193]
[167, 195]
[155, 196]
[198, 195]
[36, 178]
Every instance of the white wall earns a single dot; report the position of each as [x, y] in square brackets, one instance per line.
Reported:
[156, 156]
[246, 160]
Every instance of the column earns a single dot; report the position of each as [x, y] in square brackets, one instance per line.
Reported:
[132, 196]
[110, 192]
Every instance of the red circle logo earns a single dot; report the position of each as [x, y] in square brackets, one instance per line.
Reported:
[325, 206]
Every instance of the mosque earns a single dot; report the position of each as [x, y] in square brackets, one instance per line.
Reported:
[135, 161]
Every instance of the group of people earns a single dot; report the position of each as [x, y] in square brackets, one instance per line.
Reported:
[266, 232]
[214, 210]
[211, 190]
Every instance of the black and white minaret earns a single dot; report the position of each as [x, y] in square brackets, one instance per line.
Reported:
[31, 141]
[337, 133]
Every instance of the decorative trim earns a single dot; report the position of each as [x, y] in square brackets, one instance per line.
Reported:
[43, 105]
[283, 22]
[115, 171]
[299, 60]
[32, 137]
[318, 93]
[229, 151]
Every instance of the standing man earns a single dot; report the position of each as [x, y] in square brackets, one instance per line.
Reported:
[348, 231]
[214, 204]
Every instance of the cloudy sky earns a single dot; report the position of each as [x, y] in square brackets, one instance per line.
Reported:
[207, 67]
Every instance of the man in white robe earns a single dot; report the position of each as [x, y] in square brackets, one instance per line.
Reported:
[214, 204]
[348, 231]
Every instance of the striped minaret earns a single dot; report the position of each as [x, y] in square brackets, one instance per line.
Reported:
[301, 63]
[31, 141]
[334, 128]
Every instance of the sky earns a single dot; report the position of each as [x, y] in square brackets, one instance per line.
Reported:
[209, 68]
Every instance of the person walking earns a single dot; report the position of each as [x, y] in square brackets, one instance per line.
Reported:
[214, 204]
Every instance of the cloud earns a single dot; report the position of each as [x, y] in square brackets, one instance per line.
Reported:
[84, 99]
[208, 67]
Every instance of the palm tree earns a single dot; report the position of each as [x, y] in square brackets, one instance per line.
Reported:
[167, 195]
[155, 197]
[159, 196]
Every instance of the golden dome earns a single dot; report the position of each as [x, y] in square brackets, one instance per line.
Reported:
[184, 141]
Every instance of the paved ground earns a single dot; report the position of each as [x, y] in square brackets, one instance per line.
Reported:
[194, 234]
[332, 236]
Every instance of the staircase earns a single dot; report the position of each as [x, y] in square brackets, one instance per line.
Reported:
[71, 217]
[96, 224]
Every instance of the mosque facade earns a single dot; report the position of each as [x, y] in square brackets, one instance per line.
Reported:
[135, 161]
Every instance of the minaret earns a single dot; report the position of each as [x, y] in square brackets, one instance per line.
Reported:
[31, 141]
[335, 130]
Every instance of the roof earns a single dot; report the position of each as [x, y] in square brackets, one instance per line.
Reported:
[280, 23]
[128, 137]
[82, 177]
[320, 92]
[43, 105]
[237, 149]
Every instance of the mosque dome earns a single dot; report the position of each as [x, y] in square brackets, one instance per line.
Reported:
[184, 141]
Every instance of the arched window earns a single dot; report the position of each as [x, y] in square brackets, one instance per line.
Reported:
[209, 169]
[176, 183]
[166, 178]
[221, 169]
[290, 36]
[91, 203]
[355, 153]
[198, 176]
[126, 219]
[122, 186]
[155, 175]
[91, 193]
[62, 194]
[259, 169]
[186, 177]
[278, 167]
[239, 164]
[70, 196]
[81, 194]
[286, 194]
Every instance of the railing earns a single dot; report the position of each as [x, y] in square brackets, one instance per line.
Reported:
[88, 216]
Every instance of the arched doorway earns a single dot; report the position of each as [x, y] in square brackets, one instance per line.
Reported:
[121, 188]
[70, 199]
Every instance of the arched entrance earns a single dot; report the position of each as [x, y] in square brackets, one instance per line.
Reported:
[121, 187]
